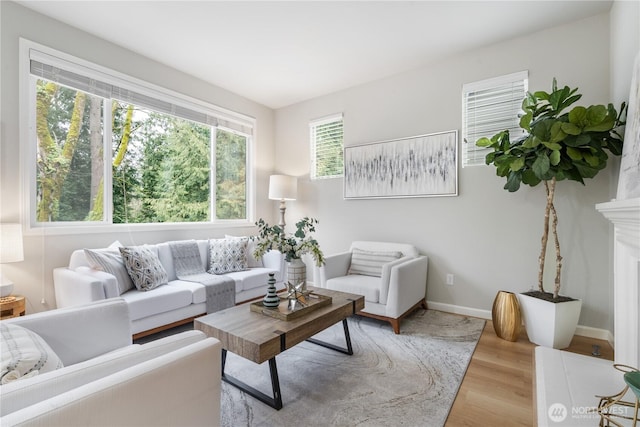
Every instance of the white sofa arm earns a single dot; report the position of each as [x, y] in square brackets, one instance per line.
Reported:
[275, 260]
[77, 287]
[80, 333]
[179, 388]
[407, 284]
[335, 265]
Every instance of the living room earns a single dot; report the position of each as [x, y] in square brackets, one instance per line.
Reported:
[485, 237]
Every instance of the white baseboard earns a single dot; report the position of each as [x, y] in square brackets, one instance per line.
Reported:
[584, 331]
[457, 309]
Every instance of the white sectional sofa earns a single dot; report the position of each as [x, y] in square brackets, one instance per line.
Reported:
[177, 302]
[106, 380]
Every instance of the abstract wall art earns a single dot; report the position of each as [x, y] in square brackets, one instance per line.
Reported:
[418, 166]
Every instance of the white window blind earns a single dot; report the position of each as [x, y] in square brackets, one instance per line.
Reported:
[108, 86]
[488, 107]
[327, 147]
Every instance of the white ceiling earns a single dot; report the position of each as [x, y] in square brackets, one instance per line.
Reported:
[281, 53]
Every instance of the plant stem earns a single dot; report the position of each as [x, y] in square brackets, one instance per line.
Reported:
[545, 233]
[554, 226]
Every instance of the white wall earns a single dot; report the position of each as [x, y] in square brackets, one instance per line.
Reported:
[487, 237]
[33, 277]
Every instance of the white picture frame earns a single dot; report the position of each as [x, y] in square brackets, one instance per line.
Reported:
[417, 166]
[629, 178]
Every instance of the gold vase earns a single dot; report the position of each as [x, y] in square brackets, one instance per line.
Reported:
[506, 316]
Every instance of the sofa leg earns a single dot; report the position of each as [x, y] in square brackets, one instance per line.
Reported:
[423, 303]
[395, 323]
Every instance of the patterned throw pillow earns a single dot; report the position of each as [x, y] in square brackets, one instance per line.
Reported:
[252, 261]
[227, 255]
[144, 267]
[369, 263]
[24, 354]
[110, 261]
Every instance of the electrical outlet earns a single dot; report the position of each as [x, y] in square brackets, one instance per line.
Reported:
[450, 279]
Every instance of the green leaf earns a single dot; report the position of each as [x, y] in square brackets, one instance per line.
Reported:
[530, 178]
[541, 95]
[571, 129]
[591, 160]
[531, 142]
[574, 153]
[484, 142]
[517, 164]
[552, 145]
[603, 126]
[578, 116]
[554, 158]
[525, 121]
[513, 182]
[556, 134]
[541, 165]
[596, 114]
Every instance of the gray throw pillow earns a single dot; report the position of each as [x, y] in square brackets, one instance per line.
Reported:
[110, 261]
[24, 354]
[227, 255]
[144, 267]
[369, 263]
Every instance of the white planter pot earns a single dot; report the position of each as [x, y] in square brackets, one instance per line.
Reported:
[550, 324]
[297, 272]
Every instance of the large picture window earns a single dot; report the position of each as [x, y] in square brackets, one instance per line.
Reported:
[107, 150]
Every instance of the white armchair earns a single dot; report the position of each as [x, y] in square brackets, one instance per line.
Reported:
[391, 276]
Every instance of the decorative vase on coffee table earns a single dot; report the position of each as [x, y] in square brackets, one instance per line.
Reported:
[297, 272]
[271, 299]
[506, 316]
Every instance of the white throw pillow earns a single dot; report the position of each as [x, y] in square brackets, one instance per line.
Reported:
[252, 261]
[227, 255]
[110, 261]
[144, 267]
[24, 354]
[369, 263]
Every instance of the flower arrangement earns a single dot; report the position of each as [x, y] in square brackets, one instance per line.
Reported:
[292, 246]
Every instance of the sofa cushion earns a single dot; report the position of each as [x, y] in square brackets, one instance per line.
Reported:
[144, 267]
[370, 263]
[158, 300]
[251, 278]
[110, 261]
[198, 291]
[42, 387]
[24, 354]
[227, 255]
[368, 286]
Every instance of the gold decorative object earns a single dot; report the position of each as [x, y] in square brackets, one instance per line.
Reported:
[506, 316]
[612, 408]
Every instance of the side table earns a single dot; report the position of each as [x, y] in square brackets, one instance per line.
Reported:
[12, 306]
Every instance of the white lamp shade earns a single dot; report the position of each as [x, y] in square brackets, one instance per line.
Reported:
[283, 187]
[11, 243]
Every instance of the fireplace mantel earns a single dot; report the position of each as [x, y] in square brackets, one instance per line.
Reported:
[625, 216]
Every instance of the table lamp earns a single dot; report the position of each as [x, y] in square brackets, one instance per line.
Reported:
[10, 251]
[283, 187]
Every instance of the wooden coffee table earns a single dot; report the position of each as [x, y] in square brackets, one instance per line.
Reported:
[260, 338]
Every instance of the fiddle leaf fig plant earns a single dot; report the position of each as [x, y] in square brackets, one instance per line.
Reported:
[557, 144]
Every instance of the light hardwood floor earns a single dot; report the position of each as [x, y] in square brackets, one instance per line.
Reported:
[497, 389]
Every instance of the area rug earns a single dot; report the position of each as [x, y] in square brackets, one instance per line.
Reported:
[409, 379]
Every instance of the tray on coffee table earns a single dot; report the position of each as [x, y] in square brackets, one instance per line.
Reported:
[282, 311]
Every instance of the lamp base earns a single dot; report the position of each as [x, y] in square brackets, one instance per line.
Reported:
[6, 286]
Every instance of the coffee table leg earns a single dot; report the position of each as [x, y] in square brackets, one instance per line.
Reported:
[275, 401]
[348, 350]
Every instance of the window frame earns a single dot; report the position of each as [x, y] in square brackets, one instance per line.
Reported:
[477, 159]
[226, 120]
[313, 124]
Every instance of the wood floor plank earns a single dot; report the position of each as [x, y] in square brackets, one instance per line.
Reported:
[498, 386]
